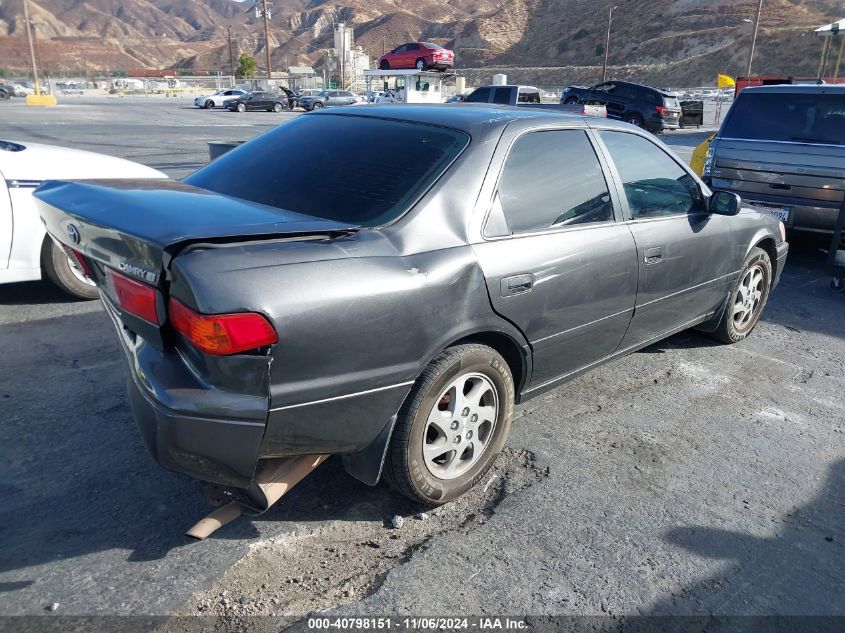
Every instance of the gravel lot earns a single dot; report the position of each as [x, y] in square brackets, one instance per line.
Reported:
[689, 478]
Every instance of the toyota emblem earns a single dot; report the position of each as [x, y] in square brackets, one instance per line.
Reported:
[73, 233]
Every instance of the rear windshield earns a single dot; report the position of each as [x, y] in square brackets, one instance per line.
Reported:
[801, 117]
[355, 170]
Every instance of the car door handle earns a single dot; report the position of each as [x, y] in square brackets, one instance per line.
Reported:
[653, 255]
[517, 284]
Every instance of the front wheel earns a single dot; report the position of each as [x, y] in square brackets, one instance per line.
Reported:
[317, 105]
[747, 299]
[420, 65]
[65, 272]
[572, 101]
[209, 104]
[384, 65]
[452, 425]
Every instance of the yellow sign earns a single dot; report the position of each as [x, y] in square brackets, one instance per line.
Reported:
[723, 81]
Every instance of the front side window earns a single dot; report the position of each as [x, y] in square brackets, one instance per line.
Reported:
[480, 95]
[655, 185]
[354, 185]
[552, 179]
[608, 88]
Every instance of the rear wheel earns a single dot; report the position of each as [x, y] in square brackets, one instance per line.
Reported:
[241, 107]
[317, 105]
[384, 65]
[747, 299]
[65, 272]
[420, 64]
[277, 107]
[209, 104]
[452, 425]
[634, 119]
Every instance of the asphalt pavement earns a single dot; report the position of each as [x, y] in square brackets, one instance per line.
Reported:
[688, 478]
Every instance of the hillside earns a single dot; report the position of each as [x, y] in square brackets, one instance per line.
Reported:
[547, 42]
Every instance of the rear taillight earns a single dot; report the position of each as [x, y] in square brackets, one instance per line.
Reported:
[132, 296]
[661, 111]
[221, 334]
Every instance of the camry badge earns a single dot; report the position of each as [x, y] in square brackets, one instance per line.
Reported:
[73, 233]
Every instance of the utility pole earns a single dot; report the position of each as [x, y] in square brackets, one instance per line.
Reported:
[231, 55]
[31, 48]
[267, 42]
[754, 38]
[607, 44]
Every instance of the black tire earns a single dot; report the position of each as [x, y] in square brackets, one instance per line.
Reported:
[384, 65]
[837, 284]
[4, 95]
[241, 107]
[634, 119]
[405, 467]
[730, 330]
[317, 105]
[277, 107]
[572, 101]
[57, 266]
[419, 64]
[209, 105]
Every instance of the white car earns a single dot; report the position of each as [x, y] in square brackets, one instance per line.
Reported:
[25, 249]
[24, 88]
[218, 99]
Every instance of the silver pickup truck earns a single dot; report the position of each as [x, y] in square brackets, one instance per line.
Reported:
[529, 96]
[782, 148]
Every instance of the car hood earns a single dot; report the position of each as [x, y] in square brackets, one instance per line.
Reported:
[49, 162]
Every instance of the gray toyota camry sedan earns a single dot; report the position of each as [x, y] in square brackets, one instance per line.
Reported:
[387, 292]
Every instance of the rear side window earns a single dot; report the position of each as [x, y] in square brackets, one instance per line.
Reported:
[528, 96]
[800, 117]
[360, 171]
[480, 95]
[553, 178]
[502, 95]
[655, 185]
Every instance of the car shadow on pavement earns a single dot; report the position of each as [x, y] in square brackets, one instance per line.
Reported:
[797, 570]
[34, 292]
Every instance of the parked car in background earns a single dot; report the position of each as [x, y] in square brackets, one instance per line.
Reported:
[389, 290]
[458, 98]
[266, 101]
[26, 252]
[650, 108]
[7, 91]
[24, 88]
[529, 97]
[419, 55]
[783, 149]
[328, 98]
[292, 98]
[219, 99]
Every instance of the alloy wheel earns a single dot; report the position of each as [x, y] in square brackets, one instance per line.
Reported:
[460, 425]
[748, 298]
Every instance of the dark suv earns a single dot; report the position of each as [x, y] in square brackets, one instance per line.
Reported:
[651, 108]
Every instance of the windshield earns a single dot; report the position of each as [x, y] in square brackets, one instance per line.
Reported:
[781, 116]
[359, 171]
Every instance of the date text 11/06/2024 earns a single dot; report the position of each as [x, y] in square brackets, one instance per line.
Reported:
[417, 624]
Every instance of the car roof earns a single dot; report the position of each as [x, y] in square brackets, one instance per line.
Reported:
[793, 88]
[662, 91]
[472, 118]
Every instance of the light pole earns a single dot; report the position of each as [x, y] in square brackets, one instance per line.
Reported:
[607, 44]
[267, 42]
[231, 55]
[754, 38]
[31, 48]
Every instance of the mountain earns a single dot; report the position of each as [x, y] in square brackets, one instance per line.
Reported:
[547, 42]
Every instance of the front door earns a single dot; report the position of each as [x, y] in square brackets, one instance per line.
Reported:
[684, 253]
[557, 263]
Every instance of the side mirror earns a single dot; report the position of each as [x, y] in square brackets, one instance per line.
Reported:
[724, 203]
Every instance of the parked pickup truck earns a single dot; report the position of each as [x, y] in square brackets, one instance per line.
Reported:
[529, 96]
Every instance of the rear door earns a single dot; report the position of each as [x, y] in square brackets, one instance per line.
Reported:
[410, 56]
[503, 95]
[685, 255]
[556, 261]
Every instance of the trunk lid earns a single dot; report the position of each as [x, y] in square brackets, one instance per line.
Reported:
[137, 226]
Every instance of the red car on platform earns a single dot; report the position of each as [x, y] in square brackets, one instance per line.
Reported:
[419, 55]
